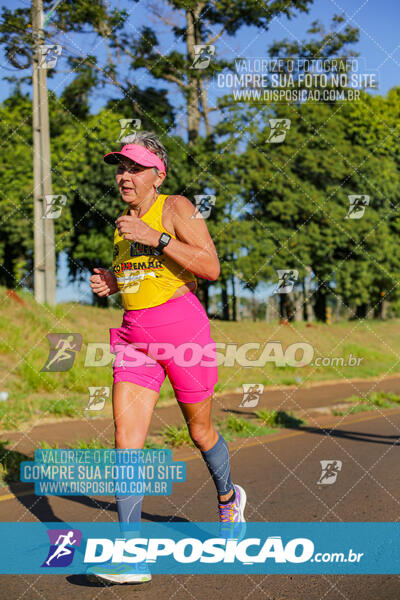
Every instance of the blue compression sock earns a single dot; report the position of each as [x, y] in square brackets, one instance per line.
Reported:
[129, 507]
[129, 512]
[217, 461]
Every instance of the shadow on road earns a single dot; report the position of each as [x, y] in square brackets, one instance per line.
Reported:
[360, 436]
[83, 581]
[40, 507]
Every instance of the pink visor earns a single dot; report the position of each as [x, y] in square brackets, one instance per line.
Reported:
[139, 154]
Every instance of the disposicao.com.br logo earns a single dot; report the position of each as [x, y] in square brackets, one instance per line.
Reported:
[203, 548]
[214, 550]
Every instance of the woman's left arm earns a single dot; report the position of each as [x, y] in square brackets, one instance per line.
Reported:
[194, 250]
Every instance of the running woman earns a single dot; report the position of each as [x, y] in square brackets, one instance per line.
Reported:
[160, 245]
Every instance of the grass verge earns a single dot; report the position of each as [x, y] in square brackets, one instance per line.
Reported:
[372, 401]
[35, 395]
[233, 427]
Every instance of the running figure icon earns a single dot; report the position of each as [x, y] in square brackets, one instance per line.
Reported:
[62, 550]
[63, 348]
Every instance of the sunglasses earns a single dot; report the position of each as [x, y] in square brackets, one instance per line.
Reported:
[133, 168]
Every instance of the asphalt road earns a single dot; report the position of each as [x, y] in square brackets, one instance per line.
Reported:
[280, 474]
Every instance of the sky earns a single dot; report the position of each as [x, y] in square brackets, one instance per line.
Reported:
[379, 51]
[378, 46]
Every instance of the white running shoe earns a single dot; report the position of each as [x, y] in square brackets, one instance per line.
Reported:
[231, 516]
[120, 573]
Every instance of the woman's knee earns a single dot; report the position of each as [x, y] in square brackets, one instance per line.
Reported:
[128, 437]
[132, 407]
[202, 434]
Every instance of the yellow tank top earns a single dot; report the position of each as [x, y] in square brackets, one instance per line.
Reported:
[144, 279]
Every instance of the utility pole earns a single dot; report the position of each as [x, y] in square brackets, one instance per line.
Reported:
[44, 250]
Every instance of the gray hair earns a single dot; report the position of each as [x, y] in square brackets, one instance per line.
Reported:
[149, 140]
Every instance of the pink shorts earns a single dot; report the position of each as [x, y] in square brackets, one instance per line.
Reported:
[171, 339]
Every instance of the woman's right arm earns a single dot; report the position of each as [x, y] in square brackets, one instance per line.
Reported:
[103, 282]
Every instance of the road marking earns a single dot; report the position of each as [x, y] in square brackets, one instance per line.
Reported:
[10, 496]
[276, 437]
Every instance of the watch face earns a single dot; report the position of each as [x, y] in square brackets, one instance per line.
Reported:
[164, 238]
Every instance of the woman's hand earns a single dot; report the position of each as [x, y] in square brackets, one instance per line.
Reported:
[130, 227]
[103, 282]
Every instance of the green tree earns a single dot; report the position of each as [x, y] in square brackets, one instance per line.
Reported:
[300, 190]
[16, 190]
[196, 23]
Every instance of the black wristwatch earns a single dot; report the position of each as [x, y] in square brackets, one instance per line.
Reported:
[163, 241]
